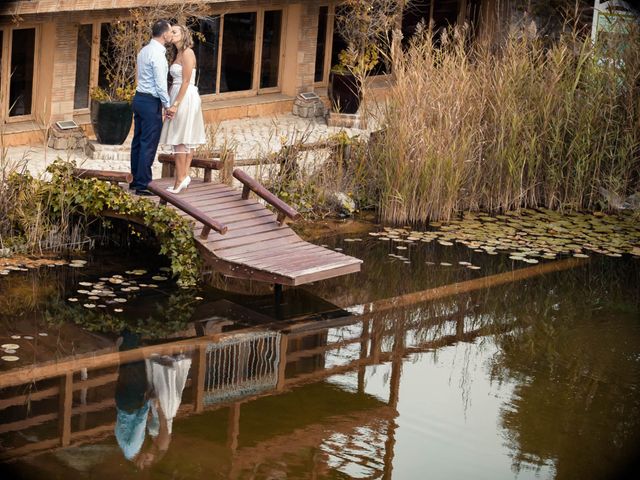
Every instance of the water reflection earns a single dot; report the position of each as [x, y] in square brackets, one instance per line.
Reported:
[532, 379]
[148, 388]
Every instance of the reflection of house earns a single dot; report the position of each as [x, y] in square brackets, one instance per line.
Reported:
[254, 56]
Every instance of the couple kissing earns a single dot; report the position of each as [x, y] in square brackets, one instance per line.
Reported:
[172, 116]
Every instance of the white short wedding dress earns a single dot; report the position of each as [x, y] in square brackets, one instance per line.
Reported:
[187, 125]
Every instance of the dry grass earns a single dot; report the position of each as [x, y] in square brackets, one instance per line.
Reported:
[497, 129]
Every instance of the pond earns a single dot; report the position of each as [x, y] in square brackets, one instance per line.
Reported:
[417, 367]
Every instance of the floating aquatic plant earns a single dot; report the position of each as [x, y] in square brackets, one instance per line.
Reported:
[533, 234]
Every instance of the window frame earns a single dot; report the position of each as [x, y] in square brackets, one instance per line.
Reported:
[328, 42]
[255, 89]
[5, 70]
[221, 12]
[94, 63]
[259, 43]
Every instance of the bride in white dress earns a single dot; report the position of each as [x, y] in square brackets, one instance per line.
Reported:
[183, 128]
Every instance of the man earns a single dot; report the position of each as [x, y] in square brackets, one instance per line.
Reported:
[148, 103]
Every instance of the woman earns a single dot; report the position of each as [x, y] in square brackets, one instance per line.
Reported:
[184, 127]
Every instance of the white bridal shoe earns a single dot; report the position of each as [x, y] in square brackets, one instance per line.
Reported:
[183, 185]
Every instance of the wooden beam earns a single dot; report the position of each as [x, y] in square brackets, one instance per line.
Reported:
[28, 397]
[106, 175]
[196, 162]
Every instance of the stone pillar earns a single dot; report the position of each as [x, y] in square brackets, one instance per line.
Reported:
[307, 42]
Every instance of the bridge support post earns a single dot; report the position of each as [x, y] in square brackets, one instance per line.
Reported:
[277, 293]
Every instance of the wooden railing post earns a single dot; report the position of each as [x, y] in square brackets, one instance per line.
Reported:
[65, 406]
[206, 230]
[282, 366]
[233, 431]
[198, 378]
[250, 184]
[245, 192]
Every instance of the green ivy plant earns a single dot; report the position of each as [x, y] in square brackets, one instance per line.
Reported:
[97, 198]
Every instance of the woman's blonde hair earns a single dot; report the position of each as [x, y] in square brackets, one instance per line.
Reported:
[187, 38]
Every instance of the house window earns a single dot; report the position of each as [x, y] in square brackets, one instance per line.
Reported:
[321, 44]
[83, 67]
[270, 62]
[238, 52]
[22, 67]
[206, 47]
[107, 55]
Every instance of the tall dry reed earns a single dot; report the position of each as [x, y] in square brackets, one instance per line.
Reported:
[498, 128]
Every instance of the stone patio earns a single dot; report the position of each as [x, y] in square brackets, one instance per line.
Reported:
[250, 138]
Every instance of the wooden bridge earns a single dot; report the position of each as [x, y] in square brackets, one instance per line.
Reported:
[237, 235]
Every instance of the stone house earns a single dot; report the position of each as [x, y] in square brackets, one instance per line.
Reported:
[256, 56]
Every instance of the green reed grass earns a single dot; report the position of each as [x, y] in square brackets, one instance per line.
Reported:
[499, 128]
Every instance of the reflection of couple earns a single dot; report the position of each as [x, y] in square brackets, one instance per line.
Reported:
[180, 108]
[153, 386]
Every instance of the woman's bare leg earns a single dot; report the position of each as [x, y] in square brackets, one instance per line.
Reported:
[187, 161]
[181, 162]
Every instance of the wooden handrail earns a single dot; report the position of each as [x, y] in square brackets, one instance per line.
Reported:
[251, 184]
[208, 222]
[195, 162]
[106, 175]
[226, 159]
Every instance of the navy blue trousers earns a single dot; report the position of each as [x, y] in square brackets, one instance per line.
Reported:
[147, 118]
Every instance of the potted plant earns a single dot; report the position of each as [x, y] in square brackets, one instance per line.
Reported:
[346, 78]
[111, 109]
[365, 26]
[111, 116]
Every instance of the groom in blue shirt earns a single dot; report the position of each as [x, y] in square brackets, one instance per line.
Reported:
[151, 97]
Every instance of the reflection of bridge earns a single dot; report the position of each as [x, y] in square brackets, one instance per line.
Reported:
[70, 402]
[228, 370]
[241, 365]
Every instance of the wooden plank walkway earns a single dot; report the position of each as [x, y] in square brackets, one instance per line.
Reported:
[239, 236]
[257, 245]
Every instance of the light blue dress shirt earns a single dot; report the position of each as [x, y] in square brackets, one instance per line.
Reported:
[152, 71]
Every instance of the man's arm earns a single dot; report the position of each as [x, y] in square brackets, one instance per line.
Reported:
[160, 72]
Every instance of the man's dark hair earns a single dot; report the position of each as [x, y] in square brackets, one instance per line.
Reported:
[160, 27]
